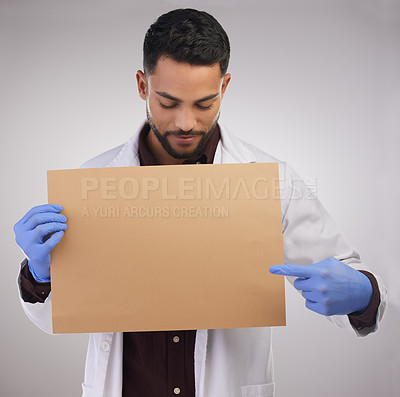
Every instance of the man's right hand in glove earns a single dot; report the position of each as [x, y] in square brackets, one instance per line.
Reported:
[37, 233]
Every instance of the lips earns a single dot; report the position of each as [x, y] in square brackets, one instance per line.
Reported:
[184, 139]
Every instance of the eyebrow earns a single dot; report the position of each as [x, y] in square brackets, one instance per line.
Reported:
[172, 98]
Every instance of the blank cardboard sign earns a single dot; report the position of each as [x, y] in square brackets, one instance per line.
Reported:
[167, 248]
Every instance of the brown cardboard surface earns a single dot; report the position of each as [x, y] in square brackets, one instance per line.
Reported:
[167, 248]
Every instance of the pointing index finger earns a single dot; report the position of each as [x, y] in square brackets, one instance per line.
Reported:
[303, 271]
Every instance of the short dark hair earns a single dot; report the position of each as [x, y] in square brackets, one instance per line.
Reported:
[186, 35]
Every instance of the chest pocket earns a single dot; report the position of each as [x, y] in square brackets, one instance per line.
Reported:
[266, 390]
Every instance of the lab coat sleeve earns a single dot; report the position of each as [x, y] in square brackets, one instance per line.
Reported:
[310, 235]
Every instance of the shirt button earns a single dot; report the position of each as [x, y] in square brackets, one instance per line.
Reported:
[177, 390]
[104, 346]
[176, 339]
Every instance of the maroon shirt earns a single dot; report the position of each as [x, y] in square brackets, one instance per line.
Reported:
[157, 364]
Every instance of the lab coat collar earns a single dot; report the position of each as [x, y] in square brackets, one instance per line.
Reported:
[229, 150]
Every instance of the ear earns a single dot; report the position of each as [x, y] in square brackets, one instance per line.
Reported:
[141, 84]
[225, 83]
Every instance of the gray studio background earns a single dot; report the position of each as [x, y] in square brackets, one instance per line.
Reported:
[314, 82]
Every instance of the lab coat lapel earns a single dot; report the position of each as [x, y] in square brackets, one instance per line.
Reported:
[129, 154]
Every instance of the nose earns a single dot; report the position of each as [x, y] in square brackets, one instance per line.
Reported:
[185, 120]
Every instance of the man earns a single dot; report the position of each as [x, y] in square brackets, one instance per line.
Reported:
[186, 56]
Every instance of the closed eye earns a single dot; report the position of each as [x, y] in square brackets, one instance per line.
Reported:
[175, 105]
[168, 107]
[204, 107]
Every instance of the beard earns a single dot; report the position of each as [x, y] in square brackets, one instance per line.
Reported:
[163, 139]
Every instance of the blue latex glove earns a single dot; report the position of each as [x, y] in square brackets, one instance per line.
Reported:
[330, 287]
[37, 233]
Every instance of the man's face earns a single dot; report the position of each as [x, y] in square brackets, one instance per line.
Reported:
[183, 106]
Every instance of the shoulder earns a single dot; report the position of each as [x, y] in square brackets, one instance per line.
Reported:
[103, 159]
[123, 155]
[261, 156]
[248, 151]
[243, 151]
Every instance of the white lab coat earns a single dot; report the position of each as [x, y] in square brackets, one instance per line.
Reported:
[228, 362]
